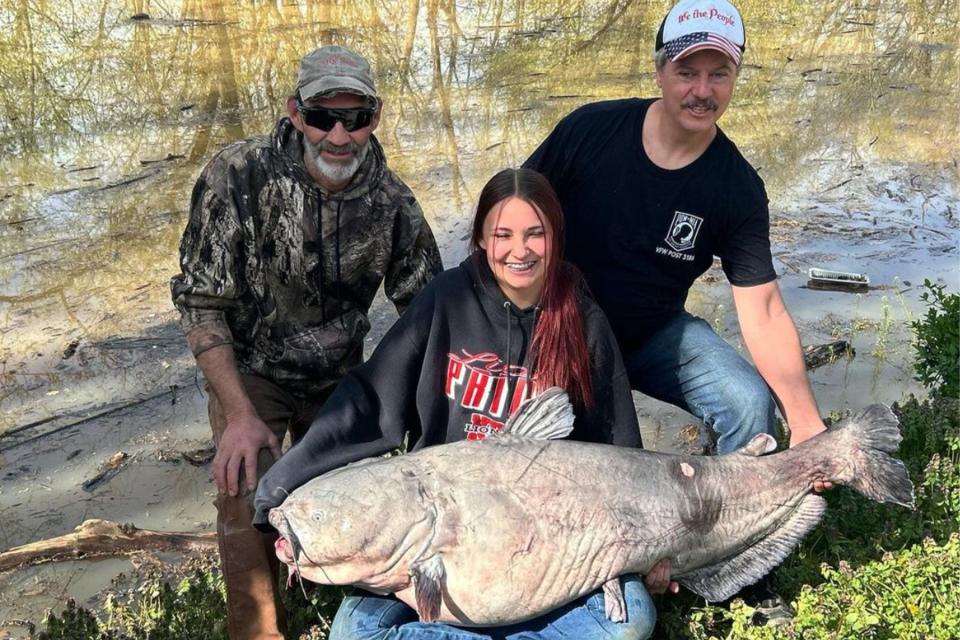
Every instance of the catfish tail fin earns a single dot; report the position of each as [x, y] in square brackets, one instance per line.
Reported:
[871, 470]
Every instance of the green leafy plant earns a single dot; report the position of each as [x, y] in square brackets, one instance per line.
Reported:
[310, 609]
[154, 610]
[75, 622]
[910, 594]
[937, 362]
[193, 609]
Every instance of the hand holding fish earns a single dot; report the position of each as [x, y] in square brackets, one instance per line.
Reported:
[801, 434]
[658, 579]
[820, 486]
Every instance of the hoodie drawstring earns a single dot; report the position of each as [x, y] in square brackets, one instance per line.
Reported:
[506, 307]
[533, 332]
[319, 275]
[339, 278]
[531, 371]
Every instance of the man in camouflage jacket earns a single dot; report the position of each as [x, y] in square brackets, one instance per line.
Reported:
[288, 240]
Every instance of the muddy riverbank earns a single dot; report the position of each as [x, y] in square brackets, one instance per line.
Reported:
[847, 110]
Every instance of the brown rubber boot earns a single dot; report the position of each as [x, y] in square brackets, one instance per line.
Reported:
[252, 601]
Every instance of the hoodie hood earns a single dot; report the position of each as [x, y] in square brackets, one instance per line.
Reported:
[288, 140]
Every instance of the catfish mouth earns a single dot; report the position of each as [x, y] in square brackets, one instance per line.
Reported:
[287, 545]
[284, 551]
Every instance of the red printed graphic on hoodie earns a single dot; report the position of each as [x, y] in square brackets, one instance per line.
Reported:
[481, 383]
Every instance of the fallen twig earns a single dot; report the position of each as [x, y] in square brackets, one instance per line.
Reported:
[38, 423]
[108, 469]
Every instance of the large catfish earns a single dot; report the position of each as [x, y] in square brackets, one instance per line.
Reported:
[485, 533]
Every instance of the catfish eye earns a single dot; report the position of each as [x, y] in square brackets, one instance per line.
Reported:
[318, 516]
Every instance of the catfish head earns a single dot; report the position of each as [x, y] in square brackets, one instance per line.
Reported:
[331, 535]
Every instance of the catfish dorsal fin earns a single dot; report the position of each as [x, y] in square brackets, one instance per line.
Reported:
[548, 416]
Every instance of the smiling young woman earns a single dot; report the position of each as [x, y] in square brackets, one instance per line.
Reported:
[481, 338]
[521, 234]
[514, 239]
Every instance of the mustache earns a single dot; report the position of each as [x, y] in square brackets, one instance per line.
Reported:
[697, 103]
[326, 145]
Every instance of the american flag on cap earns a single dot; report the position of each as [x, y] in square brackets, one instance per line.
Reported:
[691, 42]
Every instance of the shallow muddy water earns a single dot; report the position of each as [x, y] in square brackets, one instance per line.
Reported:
[110, 108]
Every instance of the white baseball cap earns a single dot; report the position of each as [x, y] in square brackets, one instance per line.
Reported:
[692, 25]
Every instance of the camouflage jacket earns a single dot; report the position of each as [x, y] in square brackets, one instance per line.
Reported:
[285, 271]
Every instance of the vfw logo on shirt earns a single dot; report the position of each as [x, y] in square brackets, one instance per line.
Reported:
[681, 236]
[480, 383]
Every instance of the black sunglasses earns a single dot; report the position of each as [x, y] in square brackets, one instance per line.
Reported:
[326, 119]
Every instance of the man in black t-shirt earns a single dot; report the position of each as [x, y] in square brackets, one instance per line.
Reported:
[652, 190]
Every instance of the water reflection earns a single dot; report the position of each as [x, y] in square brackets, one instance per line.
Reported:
[109, 108]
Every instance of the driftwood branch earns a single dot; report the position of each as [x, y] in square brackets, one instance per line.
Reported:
[101, 538]
[818, 355]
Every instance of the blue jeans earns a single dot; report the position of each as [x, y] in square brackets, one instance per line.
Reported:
[691, 367]
[364, 616]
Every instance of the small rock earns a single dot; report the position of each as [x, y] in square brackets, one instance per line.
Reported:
[199, 457]
[71, 349]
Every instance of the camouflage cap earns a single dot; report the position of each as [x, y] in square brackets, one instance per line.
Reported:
[334, 69]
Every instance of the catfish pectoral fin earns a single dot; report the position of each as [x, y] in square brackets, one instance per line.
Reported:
[427, 578]
[614, 604]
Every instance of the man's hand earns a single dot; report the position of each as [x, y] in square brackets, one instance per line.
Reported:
[658, 578]
[245, 434]
[799, 435]
[239, 448]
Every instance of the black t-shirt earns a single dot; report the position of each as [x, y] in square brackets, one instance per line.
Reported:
[642, 234]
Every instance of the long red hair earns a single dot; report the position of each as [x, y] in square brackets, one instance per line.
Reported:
[559, 339]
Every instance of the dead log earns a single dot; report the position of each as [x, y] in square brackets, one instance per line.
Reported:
[103, 538]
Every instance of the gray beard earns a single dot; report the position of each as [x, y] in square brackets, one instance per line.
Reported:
[336, 171]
